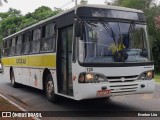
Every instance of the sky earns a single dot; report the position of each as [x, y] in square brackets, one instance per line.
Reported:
[26, 6]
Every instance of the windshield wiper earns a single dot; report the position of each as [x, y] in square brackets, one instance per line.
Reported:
[131, 30]
[120, 55]
[108, 29]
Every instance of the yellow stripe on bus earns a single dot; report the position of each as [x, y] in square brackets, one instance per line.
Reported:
[31, 61]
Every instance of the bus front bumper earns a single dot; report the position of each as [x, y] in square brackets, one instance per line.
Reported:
[99, 90]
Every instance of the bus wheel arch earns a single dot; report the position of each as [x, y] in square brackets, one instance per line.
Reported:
[48, 86]
[45, 73]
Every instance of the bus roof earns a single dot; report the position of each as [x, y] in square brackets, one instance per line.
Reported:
[75, 8]
[111, 7]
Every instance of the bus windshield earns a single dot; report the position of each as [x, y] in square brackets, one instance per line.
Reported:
[108, 42]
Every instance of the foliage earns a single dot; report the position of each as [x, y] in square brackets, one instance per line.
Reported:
[13, 21]
[38, 15]
[42, 13]
[137, 4]
[9, 22]
[152, 11]
[155, 33]
[157, 77]
[157, 22]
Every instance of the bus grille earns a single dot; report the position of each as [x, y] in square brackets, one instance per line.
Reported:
[124, 88]
[122, 79]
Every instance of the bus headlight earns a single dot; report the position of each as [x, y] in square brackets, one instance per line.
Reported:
[89, 76]
[147, 75]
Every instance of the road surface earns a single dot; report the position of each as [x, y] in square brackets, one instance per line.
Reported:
[34, 100]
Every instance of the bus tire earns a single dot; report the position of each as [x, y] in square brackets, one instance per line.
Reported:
[49, 89]
[13, 83]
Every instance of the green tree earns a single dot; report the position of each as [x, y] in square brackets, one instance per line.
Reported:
[137, 4]
[39, 14]
[157, 22]
[10, 21]
[151, 10]
[13, 21]
[42, 13]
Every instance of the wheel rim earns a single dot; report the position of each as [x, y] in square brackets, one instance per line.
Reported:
[50, 88]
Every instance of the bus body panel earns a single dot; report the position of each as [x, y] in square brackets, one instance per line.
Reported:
[28, 70]
[6, 72]
[117, 86]
[121, 71]
[88, 90]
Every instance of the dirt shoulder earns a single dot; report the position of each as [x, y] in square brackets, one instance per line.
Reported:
[8, 107]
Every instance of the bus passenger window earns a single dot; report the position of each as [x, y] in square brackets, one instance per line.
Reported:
[18, 45]
[35, 44]
[48, 38]
[26, 43]
[46, 48]
[4, 48]
[13, 44]
[7, 46]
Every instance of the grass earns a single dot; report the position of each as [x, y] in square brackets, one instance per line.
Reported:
[157, 77]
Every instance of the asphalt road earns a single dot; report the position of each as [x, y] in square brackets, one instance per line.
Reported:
[34, 100]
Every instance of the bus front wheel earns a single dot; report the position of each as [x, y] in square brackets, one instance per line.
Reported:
[49, 89]
[13, 83]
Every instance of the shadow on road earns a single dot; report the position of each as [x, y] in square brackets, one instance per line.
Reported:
[84, 105]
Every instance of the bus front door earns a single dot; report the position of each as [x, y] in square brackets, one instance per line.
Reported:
[64, 61]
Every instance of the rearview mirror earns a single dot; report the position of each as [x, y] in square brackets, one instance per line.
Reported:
[77, 28]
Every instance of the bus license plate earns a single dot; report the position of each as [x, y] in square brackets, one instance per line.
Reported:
[103, 92]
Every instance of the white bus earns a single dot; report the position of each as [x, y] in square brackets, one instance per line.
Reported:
[90, 51]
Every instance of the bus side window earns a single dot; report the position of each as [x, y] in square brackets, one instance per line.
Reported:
[7, 46]
[35, 43]
[13, 44]
[26, 43]
[18, 45]
[48, 38]
[4, 48]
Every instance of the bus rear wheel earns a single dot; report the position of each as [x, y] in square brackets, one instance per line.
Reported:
[13, 83]
[49, 89]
